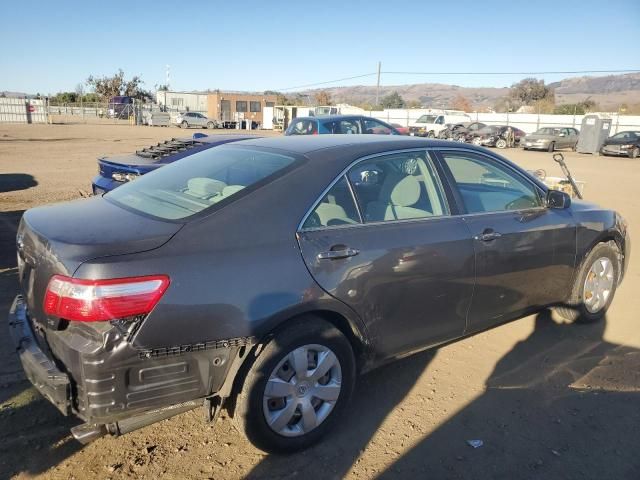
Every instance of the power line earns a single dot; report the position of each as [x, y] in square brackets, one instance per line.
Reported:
[329, 81]
[567, 72]
[558, 72]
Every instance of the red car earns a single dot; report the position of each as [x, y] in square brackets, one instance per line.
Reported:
[401, 130]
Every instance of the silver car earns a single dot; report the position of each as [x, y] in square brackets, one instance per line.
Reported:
[195, 119]
[550, 139]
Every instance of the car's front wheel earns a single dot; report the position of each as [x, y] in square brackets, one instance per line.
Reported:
[634, 152]
[184, 124]
[594, 286]
[552, 147]
[211, 125]
[501, 143]
[297, 387]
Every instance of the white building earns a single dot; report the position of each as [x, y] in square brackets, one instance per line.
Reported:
[183, 101]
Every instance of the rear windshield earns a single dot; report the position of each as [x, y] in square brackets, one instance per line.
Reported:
[199, 181]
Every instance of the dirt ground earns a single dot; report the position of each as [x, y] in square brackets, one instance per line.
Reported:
[548, 400]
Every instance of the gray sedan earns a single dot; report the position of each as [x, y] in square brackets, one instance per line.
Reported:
[264, 275]
[550, 139]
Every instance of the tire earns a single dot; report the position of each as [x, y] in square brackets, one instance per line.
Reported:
[501, 143]
[476, 141]
[184, 124]
[552, 147]
[635, 152]
[431, 134]
[575, 147]
[525, 148]
[577, 308]
[211, 125]
[275, 362]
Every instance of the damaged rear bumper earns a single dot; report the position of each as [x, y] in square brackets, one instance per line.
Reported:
[95, 373]
[41, 371]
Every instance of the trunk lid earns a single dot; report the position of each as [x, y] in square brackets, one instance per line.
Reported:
[57, 239]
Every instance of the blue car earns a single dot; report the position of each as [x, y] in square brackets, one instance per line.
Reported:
[115, 171]
[339, 124]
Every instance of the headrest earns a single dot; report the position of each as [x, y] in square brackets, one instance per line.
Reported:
[231, 189]
[406, 192]
[204, 187]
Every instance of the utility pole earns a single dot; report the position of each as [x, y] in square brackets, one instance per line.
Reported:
[378, 85]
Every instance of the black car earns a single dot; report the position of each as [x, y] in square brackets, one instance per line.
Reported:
[495, 136]
[264, 275]
[459, 132]
[625, 144]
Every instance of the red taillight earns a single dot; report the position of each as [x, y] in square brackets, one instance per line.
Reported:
[99, 300]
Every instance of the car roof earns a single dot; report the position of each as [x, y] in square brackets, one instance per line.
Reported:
[305, 144]
[332, 117]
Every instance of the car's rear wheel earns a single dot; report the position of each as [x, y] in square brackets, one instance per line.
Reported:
[184, 124]
[476, 141]
[297, 387]
[501, 143]
[575, 147]
[431, 134]
[634, 152]
[594, 286]
[552, 147]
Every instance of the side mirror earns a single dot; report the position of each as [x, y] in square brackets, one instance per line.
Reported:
[562, 134]
[558, 199]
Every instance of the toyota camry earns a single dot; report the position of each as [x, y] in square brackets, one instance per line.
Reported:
[262, 276]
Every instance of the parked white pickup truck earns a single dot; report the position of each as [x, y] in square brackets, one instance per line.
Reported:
[430, 125]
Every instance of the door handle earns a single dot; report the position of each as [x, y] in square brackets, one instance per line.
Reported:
[487, 236]
[337, 254]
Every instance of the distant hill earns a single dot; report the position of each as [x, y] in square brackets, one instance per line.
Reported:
[608, 92]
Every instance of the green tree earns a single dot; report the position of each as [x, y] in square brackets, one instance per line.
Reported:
[393, 100]
[579, 108]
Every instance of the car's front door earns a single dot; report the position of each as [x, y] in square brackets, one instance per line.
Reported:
[398, 258]
[525, 252]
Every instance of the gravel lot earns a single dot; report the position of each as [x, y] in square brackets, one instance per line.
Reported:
[548, 400]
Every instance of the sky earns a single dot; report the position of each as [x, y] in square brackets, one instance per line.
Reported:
[49, 46]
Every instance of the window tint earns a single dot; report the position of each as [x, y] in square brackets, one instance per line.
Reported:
[254, 106]
[241, 106]
[345, 127]
[199, 181]
[485, 186]
[397, 187]
[336, 208]
[375, 127]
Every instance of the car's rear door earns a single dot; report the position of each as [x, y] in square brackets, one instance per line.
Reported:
[525, 252]
[397, 257]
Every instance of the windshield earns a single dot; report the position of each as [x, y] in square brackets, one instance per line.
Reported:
[489, 129]
[548, 131]
[199, 181]
[626, 136]
[427, 119]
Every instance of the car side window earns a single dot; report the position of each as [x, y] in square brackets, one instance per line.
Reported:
[398, 187]
[372, 126]
[335, 209]
[302, 127]
[487, 186]
[349, 127]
